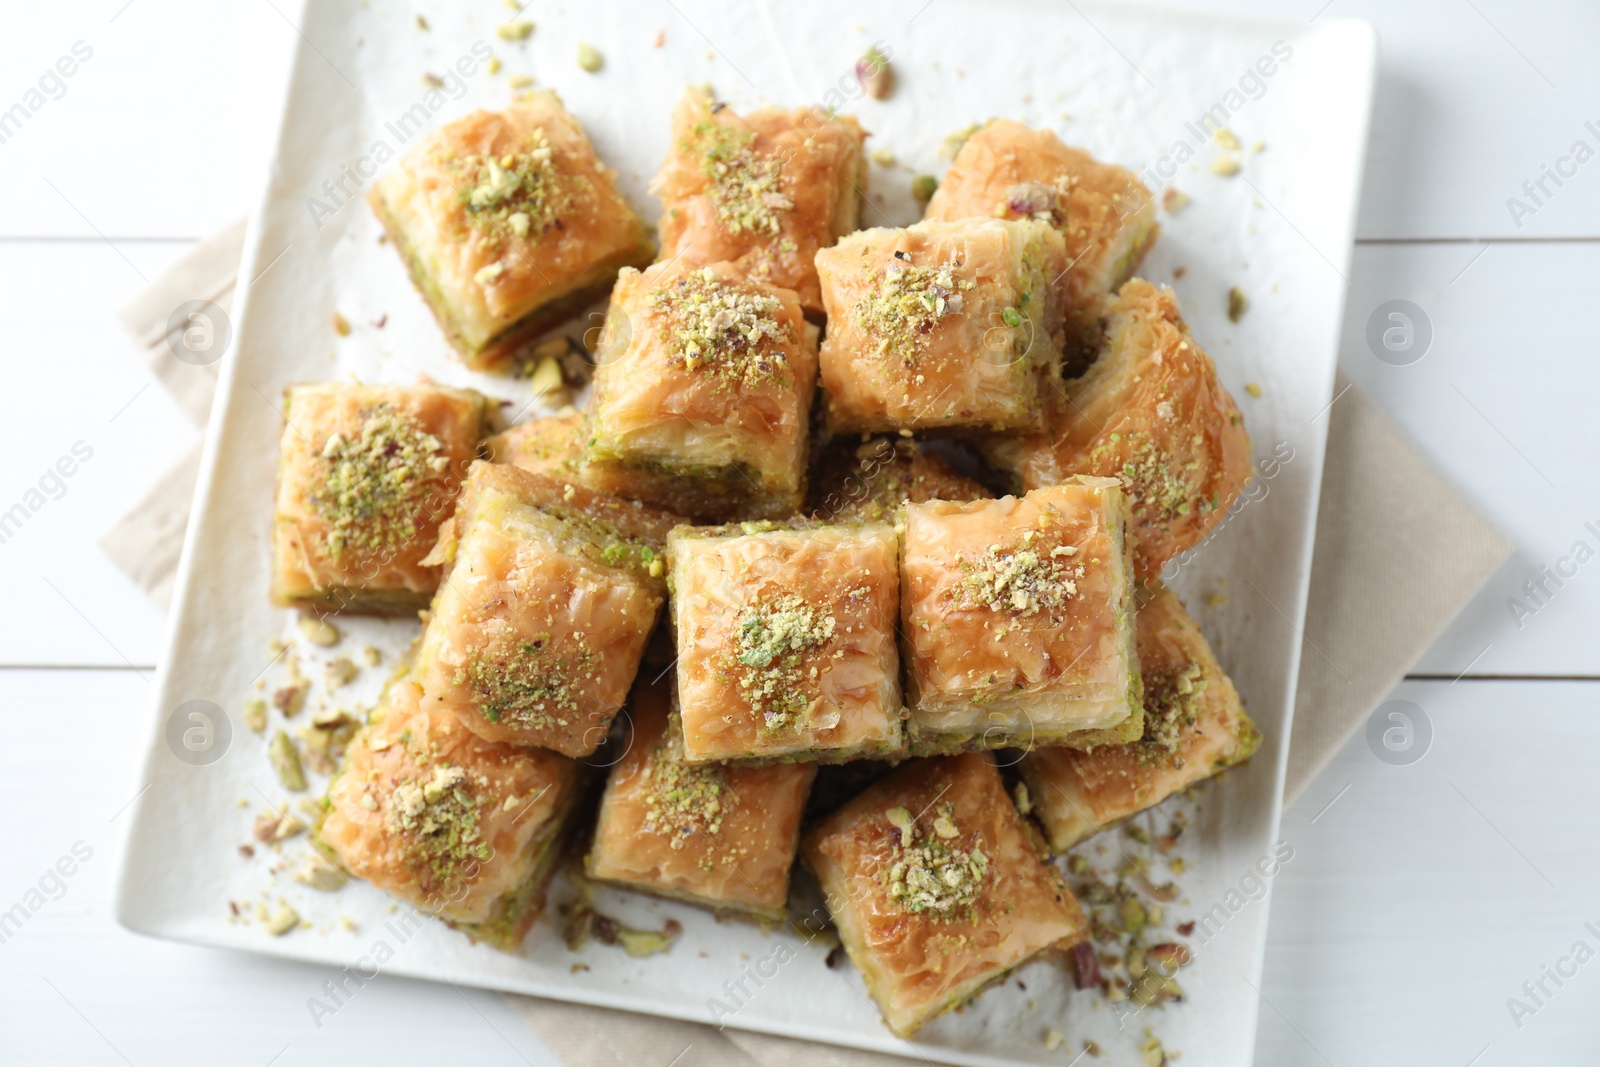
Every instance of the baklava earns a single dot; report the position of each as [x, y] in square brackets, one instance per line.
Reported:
[552, 446]
[508, 222]
[459, 827]
[786, 641]
[366, 474]
[936, 887]
[542, 616]
[1194, 726]
[1151, 412]
[763, 190]
[944, 326]
[867, 481]
[1105, 214]
[1018, 620]
[723, 837]
[702, 394]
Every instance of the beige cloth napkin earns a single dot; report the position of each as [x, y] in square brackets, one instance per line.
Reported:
[1389, 522]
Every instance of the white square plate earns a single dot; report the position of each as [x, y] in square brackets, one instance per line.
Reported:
[1131, 85]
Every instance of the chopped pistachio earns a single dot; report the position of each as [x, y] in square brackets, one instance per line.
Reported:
[546, 377]
[290, 698]
[883, 157]
[371, 655]
[1053, 1039]
[373, 483]
[721, 327]
[283, 920]
[316, 872]
[875, 74]
[1237, 304]
[514, 31]
[1173, 200]
[923, 186]
[341, 325]
[590, 59]
[775, 635]
[643, 942]
[255, 714]
[422, 23]
[1225, 137]
[433, 81]
[493, 66]
[285, 760]
[319, 631]
[1227, 166]
[520, 81]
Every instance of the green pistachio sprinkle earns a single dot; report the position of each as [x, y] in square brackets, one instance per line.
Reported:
[438, 820]
[521, 194]
[371, 487]
[685, 799]
[1172, 704]
[1020, 579]
[774, 636]
[904, 304]
[928, 872]
[747, 186]
[526, 683]
[721, 327]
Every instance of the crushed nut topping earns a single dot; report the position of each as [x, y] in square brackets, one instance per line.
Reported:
[906, 302]
[746, 185]
[685, 798]
[929, 873]
[1171, 709]
[1021, 579]
[372, 486]
[528, 684]
[730, 329]
[522, 191]
[439, 820]
[774, 635]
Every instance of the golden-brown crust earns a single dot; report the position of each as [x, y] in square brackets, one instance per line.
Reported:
[867, 481]
[822, 176]
[942, 326]
[723, 837]
[542, 619]
[1189, 700]
[716, 436]
[1151, 412]
[1106, 215]
[466, 853]
[590, 233]
[920, 963]
[333, 550]
[831, 693]
[552, 446]
[1017, 616]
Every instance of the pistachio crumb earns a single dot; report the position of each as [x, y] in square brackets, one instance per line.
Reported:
[285, 759]
[923, 186]
[255, 714]
[1238, 304]
[282, 920]
[514, 31]
[590, 59]
[1253, 388]
[1226, 166]
[1225, 137]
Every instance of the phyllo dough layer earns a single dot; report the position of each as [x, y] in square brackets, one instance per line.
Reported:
[1151, 412]
[1194, 727]
[712, 834]
[702, 394]
[867, 481]
[508, 222]
[365, 476]
[936, 888]
[942, 326]
[543, 615]
[764, 190]
[1105, 214]
[552, 446]
[1018, 620]
[786, 641]
[435, 816]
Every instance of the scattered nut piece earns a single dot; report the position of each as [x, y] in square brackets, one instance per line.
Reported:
[255, 714]
[1226, 139]
[1024, 799]
[290, 699]
[341, 325]
[514, 31]
[422, 23]
[493, 66]
[341, 671]
[320, 631]
[318, 873]
[1173, 200]
[1237, 304]
[590, 59]
[1259, 147]
[1053, 1039]
[546, 377]
[875, 74]
[643, 942]
[1254, 389]
[1091, 1048]
[285, 760]
[433, 81]
[923, 186]
[283, 920]
[520, 81]
[1227, 166]
[883, 157]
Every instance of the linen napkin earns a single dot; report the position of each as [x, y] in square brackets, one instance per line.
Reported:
[1388, 522]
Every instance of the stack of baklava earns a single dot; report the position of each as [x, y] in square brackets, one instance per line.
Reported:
[788, 454]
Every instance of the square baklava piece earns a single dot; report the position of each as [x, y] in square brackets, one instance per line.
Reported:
[763, 191]
[867, 481]
[786, 641]
[1104, 213]
[1151, 412]
[702, 394]
[366, 474]
[936, 887]
[942, 326]
[720, 836]
[542, 616]
[1018, 620]
[1194, 727]
[552, 446]
[447, 822]
[508, 223]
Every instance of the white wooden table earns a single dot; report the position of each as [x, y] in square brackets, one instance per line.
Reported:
[1420, 897]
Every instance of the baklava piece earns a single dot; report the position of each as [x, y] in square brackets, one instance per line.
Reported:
[508, 223]
[786, 641]
[867, 481]
[1151, 412]
[1018, 621]
[936, 887]
[435, 816]
[542, 617]
[723, 837]
[942, 326]
[552, 446]
[702, 394]
[1105, 214]
[366, 474]
[764, 191]
[1194, 727]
